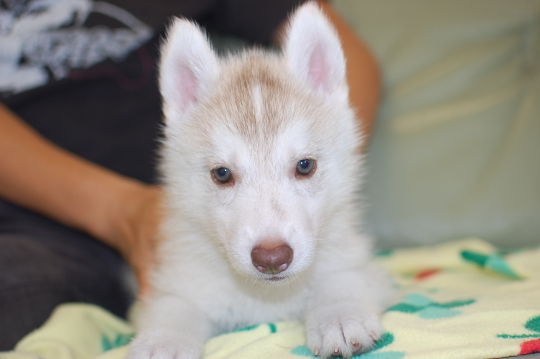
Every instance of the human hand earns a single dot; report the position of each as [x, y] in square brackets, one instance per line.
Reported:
[120, 211]
[139, 232]
[132, 228]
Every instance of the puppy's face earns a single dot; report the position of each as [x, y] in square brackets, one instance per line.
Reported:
[268, 198]
[260, 147]
[267, 171]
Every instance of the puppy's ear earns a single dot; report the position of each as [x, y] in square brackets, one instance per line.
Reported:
[187, 69]
[313, 51]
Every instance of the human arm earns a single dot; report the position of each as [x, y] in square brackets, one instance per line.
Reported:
[363, 74]
[38, 175]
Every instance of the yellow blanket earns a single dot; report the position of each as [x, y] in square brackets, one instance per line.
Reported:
[462, 299]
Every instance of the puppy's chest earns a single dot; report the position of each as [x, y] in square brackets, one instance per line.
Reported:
[232, 307]
[242, 312]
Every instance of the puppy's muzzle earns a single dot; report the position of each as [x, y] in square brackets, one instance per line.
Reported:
[271, 257]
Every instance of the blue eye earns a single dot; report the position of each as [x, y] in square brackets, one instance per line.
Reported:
[305, 167]
[222, 174]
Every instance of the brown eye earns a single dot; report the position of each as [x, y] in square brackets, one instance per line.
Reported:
[222, 174]
[305, 167]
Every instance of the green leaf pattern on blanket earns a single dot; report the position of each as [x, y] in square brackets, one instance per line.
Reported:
[118, 341]
[246, 329]
[495, 263]
[385, 253]
[271, 327]
[532, 324]
[385, 340]
[427, 308]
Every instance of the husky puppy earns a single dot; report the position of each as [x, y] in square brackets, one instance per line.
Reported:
[261, 170]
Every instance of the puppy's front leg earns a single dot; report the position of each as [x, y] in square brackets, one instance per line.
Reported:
[343, 313]
[173, 329]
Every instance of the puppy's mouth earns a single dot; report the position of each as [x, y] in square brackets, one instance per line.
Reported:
[271, 278]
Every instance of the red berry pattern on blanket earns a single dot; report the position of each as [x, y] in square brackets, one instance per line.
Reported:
[529, 346]
[424, 274]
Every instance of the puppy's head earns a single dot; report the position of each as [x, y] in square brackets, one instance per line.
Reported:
[261, 148]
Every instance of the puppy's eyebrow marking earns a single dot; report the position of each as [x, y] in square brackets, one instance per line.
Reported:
[256, 94]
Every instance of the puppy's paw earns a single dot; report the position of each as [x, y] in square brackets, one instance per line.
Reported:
[162, 348]
[342, 329]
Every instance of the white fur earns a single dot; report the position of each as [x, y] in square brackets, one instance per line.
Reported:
[258, 114]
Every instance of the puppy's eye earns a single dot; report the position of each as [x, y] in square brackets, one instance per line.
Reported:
[305, 167]
[222, 175]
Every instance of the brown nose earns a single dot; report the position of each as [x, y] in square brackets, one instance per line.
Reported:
[271, 257]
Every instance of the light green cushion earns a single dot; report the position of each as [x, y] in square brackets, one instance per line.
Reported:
[456, 150]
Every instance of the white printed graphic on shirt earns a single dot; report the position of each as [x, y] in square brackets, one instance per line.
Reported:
[42, 38]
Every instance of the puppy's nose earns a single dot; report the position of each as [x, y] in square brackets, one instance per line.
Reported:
[272, 257]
